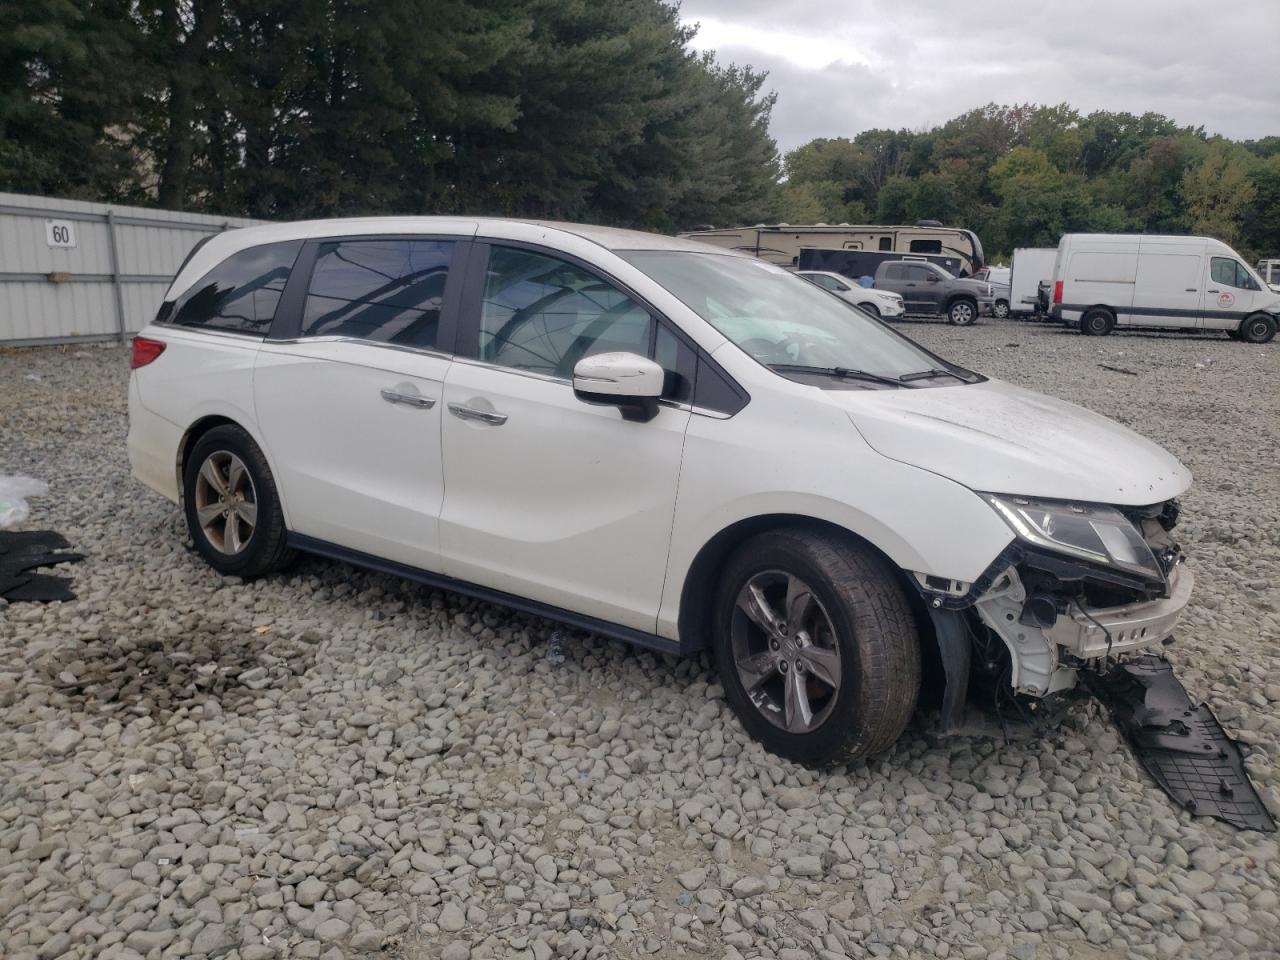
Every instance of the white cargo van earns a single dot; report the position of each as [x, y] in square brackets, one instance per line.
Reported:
[1196, 283]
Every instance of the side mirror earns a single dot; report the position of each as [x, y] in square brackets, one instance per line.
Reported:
[628, 381]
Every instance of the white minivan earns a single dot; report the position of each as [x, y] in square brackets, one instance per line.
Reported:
[659, 441]
[1104, 280]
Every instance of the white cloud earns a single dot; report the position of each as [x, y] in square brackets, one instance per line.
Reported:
[843, 67]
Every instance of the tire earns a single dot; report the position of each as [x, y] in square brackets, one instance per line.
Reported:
[1097, 322]
[226, 469]
[1000, 309]
[855, 610]
[962, 312]
[1258, 328]
[871, 308]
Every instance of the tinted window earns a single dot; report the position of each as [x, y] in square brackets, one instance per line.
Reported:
[886, 243]
[241, 293]
[921, 274]
[895, 271]
[545, 315]
[926, 246]
[1231, 272]
[388, 291]
[827, 283]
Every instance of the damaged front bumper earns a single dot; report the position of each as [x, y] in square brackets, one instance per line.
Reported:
[1044, 656]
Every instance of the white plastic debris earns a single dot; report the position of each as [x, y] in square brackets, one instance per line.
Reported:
[13, 498]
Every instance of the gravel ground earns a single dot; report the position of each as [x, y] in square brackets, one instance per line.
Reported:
[331, 763]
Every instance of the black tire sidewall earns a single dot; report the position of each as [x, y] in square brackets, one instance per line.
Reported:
[871, 308]
[1105, 323]
[249, 561]
[781, 552]
[1266, 332]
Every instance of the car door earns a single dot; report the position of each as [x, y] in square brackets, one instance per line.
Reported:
[920, 289]
[348, 393]
[1231, 293]
[894, 280]
[1168, 286]
[548, 497]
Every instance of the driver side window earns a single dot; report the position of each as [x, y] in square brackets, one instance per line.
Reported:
[544, 314]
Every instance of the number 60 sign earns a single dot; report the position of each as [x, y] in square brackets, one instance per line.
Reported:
[60, 233]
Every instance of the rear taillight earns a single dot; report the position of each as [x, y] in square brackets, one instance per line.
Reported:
[1057, 292]
[144, 351]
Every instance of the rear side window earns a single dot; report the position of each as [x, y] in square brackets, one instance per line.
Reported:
[387, 291]
[894, 272]
[241, 293]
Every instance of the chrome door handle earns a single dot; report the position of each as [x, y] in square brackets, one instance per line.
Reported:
[463, 412]
[408, 399]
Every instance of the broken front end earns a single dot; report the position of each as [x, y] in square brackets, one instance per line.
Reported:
[1080, 584]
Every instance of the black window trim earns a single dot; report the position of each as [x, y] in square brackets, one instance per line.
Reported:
[467, 343]
[287, 326]
[167, 308]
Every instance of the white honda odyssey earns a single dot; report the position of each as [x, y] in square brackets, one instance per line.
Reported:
[682, 447]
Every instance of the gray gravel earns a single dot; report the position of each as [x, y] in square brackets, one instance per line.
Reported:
[332, 763]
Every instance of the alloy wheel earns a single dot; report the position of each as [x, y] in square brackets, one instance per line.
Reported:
[226, 502]
[785, 651]
[962, 314]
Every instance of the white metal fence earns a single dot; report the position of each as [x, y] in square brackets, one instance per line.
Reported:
[71, 270]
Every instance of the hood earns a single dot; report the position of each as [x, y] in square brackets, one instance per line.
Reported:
[998, 438]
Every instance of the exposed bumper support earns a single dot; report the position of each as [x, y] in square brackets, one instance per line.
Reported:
[1100, 632]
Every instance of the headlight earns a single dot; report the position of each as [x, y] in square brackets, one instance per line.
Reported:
[1098, 534]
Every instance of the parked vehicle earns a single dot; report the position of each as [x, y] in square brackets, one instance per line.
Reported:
[1103, 280]
[672, 445]
[1269, 271]
[998, 277]
[1031, 280]
[878, 303]
[782, 243]
[929, 290]
[864, 263]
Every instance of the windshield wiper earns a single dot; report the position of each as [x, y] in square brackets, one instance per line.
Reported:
[843, 373]
[930, 374]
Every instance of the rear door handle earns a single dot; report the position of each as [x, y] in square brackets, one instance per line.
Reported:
[408, 399]
[463, 412]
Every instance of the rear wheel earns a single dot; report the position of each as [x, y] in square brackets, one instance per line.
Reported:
[816, 647]
[1097, 322]
[1000, 309]
[1259, 328]
[232, 508]
[871, 308]
[962, 312]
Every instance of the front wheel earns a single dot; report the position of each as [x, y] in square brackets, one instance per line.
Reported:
[1259, 328]
[232, 508]
[1000, 310]
[871, 308]
[962, 313]
[816, 647]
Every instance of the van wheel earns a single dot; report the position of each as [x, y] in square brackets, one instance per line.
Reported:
[816, 647]
[1000, 310]
[232, 508]
[1259, 328]
[871, 308]
[962, 312]
[1097, 322]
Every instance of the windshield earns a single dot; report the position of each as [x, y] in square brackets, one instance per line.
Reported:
[778, 317]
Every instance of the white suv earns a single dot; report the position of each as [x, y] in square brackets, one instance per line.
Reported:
[658, 441]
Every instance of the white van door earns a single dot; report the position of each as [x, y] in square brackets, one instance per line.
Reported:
[1169, 288]
[1231, 293]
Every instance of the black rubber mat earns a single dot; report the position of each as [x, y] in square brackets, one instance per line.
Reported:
[22, 552]
[1182, 745]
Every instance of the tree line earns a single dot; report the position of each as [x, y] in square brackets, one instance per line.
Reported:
[1021, 176]
[574, 109]
[595, 110]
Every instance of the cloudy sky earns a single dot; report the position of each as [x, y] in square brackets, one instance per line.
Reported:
[843, 66]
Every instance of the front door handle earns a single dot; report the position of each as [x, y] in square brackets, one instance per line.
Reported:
[463, 412]
[408, 399]
[1211, 291]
